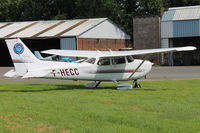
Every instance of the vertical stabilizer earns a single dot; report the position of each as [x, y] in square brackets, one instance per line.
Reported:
[23, 59]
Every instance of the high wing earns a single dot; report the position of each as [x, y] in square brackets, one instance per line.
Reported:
[87, 53]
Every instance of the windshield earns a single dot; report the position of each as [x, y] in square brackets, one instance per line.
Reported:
[130, 59]
[90, 60]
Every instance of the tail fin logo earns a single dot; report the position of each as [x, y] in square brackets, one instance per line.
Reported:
[18, 48]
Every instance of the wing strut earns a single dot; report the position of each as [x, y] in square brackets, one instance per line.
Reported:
[146, 57]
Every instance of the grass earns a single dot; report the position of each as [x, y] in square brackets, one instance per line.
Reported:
[159, 107]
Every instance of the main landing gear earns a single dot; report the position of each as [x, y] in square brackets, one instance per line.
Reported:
[127, 86]
[124, 86]
[93, 84]
[136, 84]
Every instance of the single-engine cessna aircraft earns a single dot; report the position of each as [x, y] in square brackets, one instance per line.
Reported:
[99, 66]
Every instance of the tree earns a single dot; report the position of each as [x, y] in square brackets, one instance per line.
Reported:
[149, 7]
[119, 11]
[177, 3]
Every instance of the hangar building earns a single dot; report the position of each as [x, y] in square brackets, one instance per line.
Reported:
[178, 27]
[78, 34]
[181, 27]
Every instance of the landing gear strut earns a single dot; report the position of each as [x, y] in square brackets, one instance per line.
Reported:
[93, 84]
[136, 84]
[97, 84]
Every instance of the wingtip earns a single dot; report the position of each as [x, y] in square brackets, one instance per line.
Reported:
[188, 48]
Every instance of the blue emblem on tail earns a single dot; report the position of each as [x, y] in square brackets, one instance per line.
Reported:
[18, 48]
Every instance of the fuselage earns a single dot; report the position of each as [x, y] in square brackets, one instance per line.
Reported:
[95, 71]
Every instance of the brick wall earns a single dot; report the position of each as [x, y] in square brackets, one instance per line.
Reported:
[146, 34]
[102, 44]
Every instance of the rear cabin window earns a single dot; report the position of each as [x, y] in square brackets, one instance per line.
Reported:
[104, 61]
[118, 60]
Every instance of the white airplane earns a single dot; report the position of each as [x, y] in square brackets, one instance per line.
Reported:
[99, 66]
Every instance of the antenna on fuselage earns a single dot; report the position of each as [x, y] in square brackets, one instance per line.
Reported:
[98, 51]
[110, 51]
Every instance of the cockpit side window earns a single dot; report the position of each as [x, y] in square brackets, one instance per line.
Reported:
[91, 60]
[130, 59]
[104, 61]
[118, 60]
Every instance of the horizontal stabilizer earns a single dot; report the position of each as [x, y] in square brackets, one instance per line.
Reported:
[36, 74]
[11, 74]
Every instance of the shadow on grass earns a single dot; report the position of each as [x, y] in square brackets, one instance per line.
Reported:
[57, 88]
[141, 89]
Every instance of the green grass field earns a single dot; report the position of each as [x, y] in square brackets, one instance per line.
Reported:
[159, 107]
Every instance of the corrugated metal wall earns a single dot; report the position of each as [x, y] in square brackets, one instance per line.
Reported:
[186, 14]
[199, 27]
[167, 29]
[168, 15]
[183, 28]
[186, 28]
[165, 43]
[181, 23]
[68, 43]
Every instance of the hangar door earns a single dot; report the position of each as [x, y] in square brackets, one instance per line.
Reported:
[189, 57]
[68, 43]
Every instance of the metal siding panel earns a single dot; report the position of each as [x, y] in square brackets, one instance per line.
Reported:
[60, 28]
[15, 32]
[83, 27]
[49, 28]
[71, 28]
[184, 7]
[199, 27]
[166, 29]
[40, 26]
[188, 13]
[3, 24]
[105, 29]
[186, 28]
[165, 43]
[168, 15]
[68, 43]
[12, 28]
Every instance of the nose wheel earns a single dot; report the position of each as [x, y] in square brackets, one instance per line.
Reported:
[136, 84]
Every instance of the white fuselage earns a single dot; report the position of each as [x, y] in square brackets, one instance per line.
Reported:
[95, 72]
